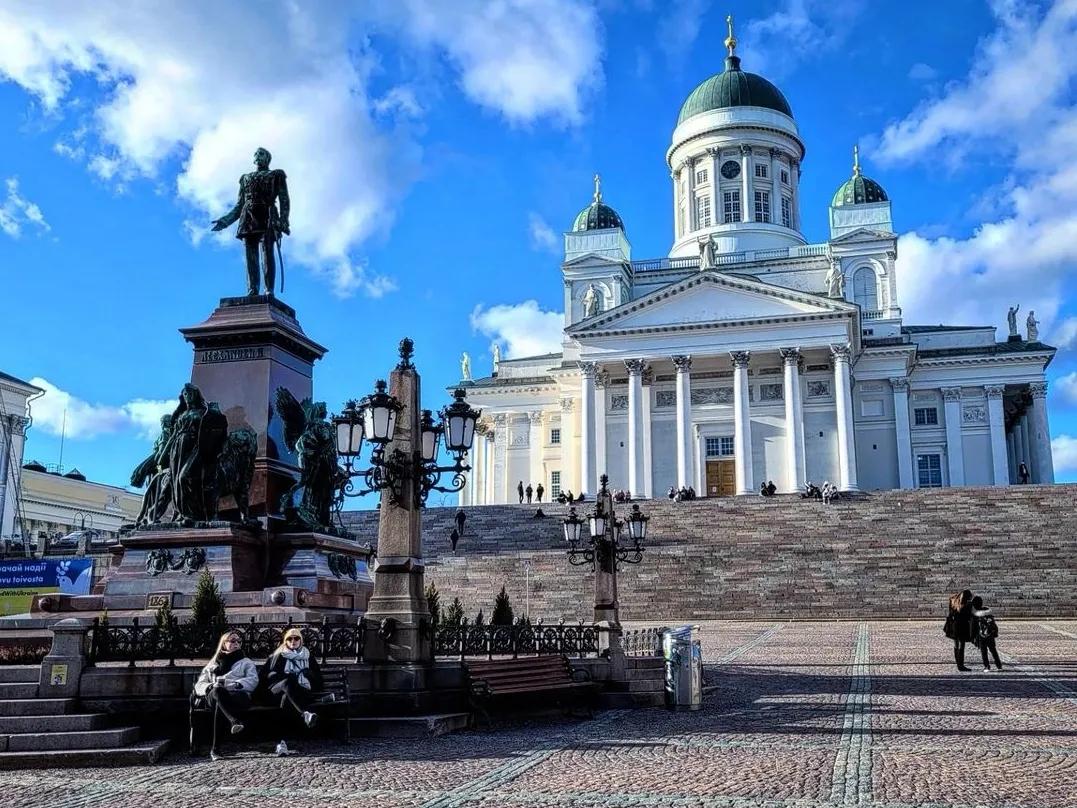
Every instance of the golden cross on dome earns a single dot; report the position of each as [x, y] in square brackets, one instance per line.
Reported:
[856, 159]
[730, 41]
[598, 188]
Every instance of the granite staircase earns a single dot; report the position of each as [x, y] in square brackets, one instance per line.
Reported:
[48, 733]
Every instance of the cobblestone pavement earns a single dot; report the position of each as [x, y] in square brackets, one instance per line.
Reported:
[798, 715]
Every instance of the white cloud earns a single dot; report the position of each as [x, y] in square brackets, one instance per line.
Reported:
[543, 236]
[58, 412]
[195, 87]
[1064, 334]
[1064, 453]
[680, 26]
[773, 45]
[525, 59]
[1066, 386]
[1014, 102]
[922, 72]
[16, 211]
[525, 329]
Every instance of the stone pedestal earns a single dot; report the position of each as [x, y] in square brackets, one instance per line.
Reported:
[322, 565]
[248, 348]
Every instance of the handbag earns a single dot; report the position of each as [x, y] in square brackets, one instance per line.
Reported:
[948, 626]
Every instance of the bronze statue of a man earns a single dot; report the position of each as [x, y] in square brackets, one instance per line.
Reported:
[260, 223]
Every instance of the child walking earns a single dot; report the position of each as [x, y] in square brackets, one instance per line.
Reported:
[986, 631]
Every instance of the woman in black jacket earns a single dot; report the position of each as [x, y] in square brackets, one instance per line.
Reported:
[962, 623]
[292, 673]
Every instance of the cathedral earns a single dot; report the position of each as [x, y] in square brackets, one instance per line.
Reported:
[747, 355]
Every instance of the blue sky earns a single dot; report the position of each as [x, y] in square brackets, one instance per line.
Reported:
[436, 151]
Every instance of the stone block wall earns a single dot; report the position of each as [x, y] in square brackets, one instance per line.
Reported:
[893, 554]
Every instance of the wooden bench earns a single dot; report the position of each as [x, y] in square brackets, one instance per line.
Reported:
[539, 679]
[335, 696]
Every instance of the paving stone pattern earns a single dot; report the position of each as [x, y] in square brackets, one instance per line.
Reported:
[799, 715]
[891, 554]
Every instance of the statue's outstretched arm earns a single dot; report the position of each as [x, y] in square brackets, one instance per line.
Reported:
[233, 214]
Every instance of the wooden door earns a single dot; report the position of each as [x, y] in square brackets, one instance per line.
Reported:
[721, 478]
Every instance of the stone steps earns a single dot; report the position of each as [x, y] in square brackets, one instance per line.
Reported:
[25, 707]
[11, 724]
[18, 690]
[139, 754]
[19, 674]
[70, 741]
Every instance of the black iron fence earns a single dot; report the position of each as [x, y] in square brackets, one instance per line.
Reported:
[468, 639]
[171, 641]
[643, 641]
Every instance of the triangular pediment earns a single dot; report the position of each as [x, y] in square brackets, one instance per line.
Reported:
[863, 234]
[712, 297]
[592, 258]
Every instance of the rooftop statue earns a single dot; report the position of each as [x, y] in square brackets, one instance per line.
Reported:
[260, 222]
[1033, 326]
[465, 367]
[592, 303]
[1011, 319]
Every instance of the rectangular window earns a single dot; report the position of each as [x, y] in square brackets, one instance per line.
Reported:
[555, 484]
[761, 170]
[730, 206]
[555, 437]
[925, 416]
[703, 211]
[720, 447]
[929, 470]
[701, 176]
[762, 206]
[787, 212]
[785, 176]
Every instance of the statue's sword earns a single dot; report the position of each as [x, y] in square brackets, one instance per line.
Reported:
[280, 257]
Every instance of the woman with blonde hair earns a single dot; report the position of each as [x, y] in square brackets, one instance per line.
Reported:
[959, 625]
[292, 673]
[227, 683]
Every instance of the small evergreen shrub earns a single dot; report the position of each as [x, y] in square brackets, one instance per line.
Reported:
[502, 615]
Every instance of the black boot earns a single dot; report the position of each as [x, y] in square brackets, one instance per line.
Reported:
[959, 657]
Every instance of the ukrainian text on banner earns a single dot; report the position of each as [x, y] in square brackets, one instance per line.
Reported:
[22, 579]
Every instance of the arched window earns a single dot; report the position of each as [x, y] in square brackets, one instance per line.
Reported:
[865, 289]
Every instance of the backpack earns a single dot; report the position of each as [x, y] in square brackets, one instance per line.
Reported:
[988, 627]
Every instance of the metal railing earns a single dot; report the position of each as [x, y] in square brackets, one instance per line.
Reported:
[643, 641]
[730, 258]
[153, 642]
[467, 639]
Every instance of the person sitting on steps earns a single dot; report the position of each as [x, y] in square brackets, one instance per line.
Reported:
[227, 684]
[292, 673]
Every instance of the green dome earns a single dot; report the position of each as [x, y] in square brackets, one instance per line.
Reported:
[733, 88]
[858, 189]
[598, 215]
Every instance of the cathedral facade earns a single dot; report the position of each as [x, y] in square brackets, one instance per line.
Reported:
[748, 355]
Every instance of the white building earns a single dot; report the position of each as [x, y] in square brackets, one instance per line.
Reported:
[14, 418]
[774, 360]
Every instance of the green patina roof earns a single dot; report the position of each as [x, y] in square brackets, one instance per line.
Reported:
[733, 88]
[858, 189]
[598, 215]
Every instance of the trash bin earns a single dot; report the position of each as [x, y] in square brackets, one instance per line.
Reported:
[684, 669]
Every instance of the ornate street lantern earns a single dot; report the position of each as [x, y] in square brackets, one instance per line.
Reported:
[573, 526]
[458, 422]
[430, 437]
[637, 525]
[597, 523]
[379, 412]
[349, 428]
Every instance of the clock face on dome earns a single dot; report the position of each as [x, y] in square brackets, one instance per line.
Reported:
[730, 169]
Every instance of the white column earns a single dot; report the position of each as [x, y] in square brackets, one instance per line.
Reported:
[690, 219]
[1043, 468]
[478, 455]
[746, 183]
[570, 447]
[1020, 441]
[776, 189]
[843, 399]
[635, 426]
[997, 423]
[794, 184]
[491, 438]
[900, 386]
[684, 420]
[794, 421]
[675, 175]
[955, 453]
[716, 195]
[601, 382]
[587, 427]
[742, 423]
[1011, 452]
[535, 441]
[646, 424]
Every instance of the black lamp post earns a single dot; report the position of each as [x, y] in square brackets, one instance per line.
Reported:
[374, 420]
[605, 547]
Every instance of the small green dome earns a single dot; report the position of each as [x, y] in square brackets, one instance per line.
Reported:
[733, 88]
[598, 215]
[858, 189]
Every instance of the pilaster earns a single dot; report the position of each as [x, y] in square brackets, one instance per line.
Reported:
[997, 424]
[903, 427]
[843, 400]
[955, 452]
